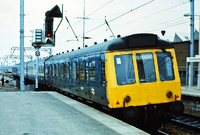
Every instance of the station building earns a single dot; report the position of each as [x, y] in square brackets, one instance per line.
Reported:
[181, 44]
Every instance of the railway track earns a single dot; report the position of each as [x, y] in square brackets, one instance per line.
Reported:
[188, 121]
[161, 133]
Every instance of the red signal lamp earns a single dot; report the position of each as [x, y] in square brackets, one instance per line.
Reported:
[48, 35]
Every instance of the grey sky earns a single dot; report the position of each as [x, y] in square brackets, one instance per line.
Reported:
[129, 17]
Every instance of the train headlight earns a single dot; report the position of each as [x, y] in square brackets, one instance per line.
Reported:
[127, 99]
[169, 94]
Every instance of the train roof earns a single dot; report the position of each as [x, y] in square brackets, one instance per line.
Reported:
[135, 41]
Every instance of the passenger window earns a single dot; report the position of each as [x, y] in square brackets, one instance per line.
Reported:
[57, 70]
[67, 70]
[47, 70]
[86, 71]
[124, 69]
[165, 66]
[103, 71]
[61, 69]
[77, 71]
[51, 73]
[92, 72]
[73, 71]
[70, 70]
[82, 72]
[64, 69]
[38, 69]
[146, 69]
[54, 70]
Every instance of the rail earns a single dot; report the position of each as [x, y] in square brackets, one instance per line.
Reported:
[188, 121]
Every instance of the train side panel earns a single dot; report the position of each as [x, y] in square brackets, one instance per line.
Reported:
[84, 76]
[41, 71]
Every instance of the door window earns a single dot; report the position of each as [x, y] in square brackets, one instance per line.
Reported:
[82, 71]
[92, 72]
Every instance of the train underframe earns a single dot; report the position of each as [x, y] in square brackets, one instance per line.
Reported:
[151, 116]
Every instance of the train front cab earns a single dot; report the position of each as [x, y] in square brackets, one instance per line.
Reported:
[140, 78]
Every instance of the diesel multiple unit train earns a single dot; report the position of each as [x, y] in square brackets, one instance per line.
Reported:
[136, 76]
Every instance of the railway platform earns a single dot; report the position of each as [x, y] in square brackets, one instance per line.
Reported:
[190, 91]
[50, 113]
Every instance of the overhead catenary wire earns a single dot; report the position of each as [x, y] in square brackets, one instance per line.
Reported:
[163, 24]
[142, 17]
[94, 12]
[175, 24]
[131, 11]
[161, 11]
[168, 24]
[119, 16]
[152, 14]
[88, 15]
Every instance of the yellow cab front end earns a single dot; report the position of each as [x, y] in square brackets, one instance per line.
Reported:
[142, 77]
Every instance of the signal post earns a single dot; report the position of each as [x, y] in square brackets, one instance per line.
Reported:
[49, 37]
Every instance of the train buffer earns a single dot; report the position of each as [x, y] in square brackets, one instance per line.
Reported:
[52, 113]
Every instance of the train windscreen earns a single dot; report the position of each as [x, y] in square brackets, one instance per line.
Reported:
[124, 69]
[165, 66]
[146, 69]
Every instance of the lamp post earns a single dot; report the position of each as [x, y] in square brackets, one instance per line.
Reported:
[84, 25]
[198, 82]
[22, 45]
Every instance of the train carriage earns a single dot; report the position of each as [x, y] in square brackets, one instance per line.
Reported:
[136, 76]
[131, 74]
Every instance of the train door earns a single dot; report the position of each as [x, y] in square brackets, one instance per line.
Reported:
[48, 79]
[59, 78]
[93, 82]
[54, 75]
[104, 100]
[74, 86]
[83, 92]
[46, 73]
[51, 75]
[63, 69]
[67, 75]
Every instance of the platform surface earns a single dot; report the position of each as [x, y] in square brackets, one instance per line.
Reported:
[50, 113]
[190, 91]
